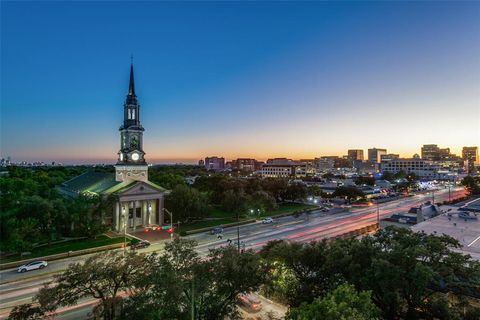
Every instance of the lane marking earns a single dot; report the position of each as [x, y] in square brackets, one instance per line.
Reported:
[471, 243]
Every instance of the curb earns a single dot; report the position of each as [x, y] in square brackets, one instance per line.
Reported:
[14, 264]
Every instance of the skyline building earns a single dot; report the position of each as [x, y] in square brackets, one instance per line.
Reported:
[355, 154]
[375, 155]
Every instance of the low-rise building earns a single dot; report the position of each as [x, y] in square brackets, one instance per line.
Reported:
[214, 163]
[365, 167]
[424, 169]
[283, 168]
[389, 157]
[244, 164]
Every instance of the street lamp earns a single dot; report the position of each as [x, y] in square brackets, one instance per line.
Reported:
[171, 222]
[378, 211]
[124, 230]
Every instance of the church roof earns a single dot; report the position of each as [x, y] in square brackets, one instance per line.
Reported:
[125, 185]
[90, 181]
[100, 183]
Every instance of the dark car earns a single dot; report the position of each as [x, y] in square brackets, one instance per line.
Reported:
[216, 230]
[140, 245]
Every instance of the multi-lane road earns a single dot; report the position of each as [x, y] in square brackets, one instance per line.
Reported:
[17, 288]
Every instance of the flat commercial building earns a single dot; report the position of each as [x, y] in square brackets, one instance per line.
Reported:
[389, 157]
[422, 168]
[283, 168]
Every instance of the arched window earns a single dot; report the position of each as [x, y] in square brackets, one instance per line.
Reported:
[133, 114]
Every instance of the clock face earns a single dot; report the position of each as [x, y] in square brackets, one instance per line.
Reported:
[135, 156]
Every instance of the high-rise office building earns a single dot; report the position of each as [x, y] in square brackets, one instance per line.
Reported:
[470, 156]
[375, 155]
[355, 154]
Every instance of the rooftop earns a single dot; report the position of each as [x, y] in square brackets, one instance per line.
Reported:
[466, 231]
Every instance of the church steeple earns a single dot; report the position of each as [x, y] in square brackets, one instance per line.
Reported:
[131, 152]
[131, 86]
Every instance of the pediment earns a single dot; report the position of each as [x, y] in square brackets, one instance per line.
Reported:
[140, 188]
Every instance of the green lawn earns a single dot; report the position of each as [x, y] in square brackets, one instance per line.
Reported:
[66, 246]
[219, 213]
[287, 208]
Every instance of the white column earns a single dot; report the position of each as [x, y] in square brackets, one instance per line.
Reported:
[116, 217]
[159, 211]
[134, 215]
[144, 213]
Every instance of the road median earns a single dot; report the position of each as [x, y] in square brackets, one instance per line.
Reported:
[13, 264]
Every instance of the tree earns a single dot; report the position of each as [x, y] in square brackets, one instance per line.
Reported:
[343, 303]
[295, 191]
[406, 272]
[307, 262]
[275, 187]
[471, 184]
[408, 269]
[167, 180]
[350, 193]
[102, 276]
[187, 203]
[182, 284]
[235, 202]
[261, 201]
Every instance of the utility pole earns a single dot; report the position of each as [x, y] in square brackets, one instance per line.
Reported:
[193, 298]
[238, 238]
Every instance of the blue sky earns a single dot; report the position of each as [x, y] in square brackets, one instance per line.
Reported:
[239, 79]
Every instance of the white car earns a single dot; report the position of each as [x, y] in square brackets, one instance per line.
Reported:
[32, 266]
[267, 220]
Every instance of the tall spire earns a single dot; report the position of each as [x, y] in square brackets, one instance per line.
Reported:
[131, 86]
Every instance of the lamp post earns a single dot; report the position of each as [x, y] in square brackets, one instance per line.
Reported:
[238, 239]
[124, 230]
[171, 222]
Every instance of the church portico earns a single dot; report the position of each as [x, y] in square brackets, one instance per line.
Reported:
[138, 212]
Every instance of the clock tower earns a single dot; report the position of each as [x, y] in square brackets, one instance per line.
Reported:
[131, 164]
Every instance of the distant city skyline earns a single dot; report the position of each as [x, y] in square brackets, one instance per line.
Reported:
[238, 80]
